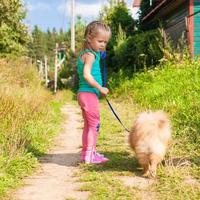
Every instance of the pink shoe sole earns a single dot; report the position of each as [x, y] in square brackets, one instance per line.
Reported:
[83, 155]
[97, 161]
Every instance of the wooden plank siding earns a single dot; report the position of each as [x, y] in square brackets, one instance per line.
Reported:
[196, 28]
[191, 27]
[175, 24]
[181, 20]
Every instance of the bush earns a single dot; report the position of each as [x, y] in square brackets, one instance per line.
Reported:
[138, 52]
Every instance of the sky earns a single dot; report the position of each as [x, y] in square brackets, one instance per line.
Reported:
[56, 13]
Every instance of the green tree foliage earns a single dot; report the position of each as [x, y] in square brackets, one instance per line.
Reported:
[80, 29]
[118, 15]
[130, 49]
[50, 41]
[138, 52]
[38, 44]
[69, 68]
[43, 43]
[13, 33]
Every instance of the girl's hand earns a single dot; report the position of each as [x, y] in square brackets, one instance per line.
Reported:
[104, 91]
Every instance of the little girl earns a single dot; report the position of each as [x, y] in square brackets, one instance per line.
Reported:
[96, 38]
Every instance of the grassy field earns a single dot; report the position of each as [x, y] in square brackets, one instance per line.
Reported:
[173, 88]
[29, 119]
[27, 110]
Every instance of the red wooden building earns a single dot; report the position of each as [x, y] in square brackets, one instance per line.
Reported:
[180, 18]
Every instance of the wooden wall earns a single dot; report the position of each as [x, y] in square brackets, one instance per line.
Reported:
[175, 24]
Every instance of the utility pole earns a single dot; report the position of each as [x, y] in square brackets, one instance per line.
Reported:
[72, 27]
[56, 68]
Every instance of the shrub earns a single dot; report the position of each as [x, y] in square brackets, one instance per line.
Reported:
[138, 52]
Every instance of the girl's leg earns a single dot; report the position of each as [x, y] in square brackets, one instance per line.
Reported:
[88, 140]
[90, 107]
[87, 137]
[90, 154]
[84, 136]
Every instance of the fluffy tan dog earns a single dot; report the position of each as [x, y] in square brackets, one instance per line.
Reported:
[149, 137]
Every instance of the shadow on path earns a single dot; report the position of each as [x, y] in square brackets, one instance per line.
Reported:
[64, 159]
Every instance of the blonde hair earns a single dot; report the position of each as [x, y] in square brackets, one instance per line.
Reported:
[93, 29]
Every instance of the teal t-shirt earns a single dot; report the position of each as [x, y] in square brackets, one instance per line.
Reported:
[84, 86]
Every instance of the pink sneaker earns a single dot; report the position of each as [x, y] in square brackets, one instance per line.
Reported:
[91, 157]
[99, 155]
[97, 160]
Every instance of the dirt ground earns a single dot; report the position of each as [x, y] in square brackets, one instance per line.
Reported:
[54, 179]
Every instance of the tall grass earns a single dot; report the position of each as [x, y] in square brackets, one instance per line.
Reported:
[29, 117]
[173, 87]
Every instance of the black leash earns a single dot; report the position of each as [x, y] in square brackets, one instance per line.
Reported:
[103, 56]
[116, 116]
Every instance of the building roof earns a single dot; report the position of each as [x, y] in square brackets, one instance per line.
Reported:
[136, 3]
[162, 8]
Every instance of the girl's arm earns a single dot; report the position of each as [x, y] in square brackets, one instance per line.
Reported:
[88, 60]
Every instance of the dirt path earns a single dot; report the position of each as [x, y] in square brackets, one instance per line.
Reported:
[54, 180]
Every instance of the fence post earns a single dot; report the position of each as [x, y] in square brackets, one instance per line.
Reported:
[46, 70]
[56, 68]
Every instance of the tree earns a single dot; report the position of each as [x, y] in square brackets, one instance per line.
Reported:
[14, 36]
[38, 43]
[50, 42]
[80, 29]
[117, 16]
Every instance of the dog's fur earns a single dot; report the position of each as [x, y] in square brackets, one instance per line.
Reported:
[149, 137]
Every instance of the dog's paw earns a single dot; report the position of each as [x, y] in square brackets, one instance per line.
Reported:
[146, 174]
[152, 174]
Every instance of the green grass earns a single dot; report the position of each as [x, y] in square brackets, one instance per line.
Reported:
[28, 131]
[173, 88]
[30, 118]
[102, 180]
[13, 170]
